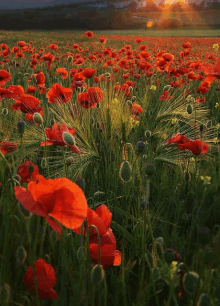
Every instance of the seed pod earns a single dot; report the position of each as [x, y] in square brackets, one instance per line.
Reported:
[69, 139]
[80, 182]
[149, 169]
[20, 255]
[5, 292]
[38, 118]
[43, 163]
[97, 274]
[4, 111]
[125, 171]
[191, 282]
[69, 161]
[169, 255]
[204, 300]
[140, 147]
[189, 109]
[203, 235]
[21, 128]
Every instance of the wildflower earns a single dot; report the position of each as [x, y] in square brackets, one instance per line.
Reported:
[24, 171]
[4, 77]
[7, 147]
[59, 95]
[216, 105]
[45, 278]
[153, 87]
[59, 198]
[206, 180]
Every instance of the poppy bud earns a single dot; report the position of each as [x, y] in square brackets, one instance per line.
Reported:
[97, 274]
[4, 111]
[69, 59]
[190, 282]
[169, 255]
[125, 171]
[160, 240]
[141, 146]
[54, 236]
[98, 194]
[189, 109]
[149, 169]
[208, 256]
[203, 235]
[80, 253]
[31, 169]
[21, 127]
[209, 124]
[38, 118]
[17, 177]
[20, 255]
[24, 212]
[129, 103]
[133, 99]
[43, 163]
[167, 87]
[155, 274]
[201, 128]
[187, 177]
[147, 133]
[204, 300]
[5, 292]
[69, 161]
[80, 182]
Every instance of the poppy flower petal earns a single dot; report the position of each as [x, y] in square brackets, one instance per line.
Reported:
[117, 259]
[25, 198]
[104, 213]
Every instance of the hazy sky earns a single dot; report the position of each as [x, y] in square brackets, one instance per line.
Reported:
[10, 4]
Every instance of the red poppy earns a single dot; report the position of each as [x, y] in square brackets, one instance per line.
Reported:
[89, 34]
[62, 72]
[58, 94]
[138, 40]
[195, 146]
[168, 57]
[59, 198]
[186, 45]
[4, 77]
[178, 138]
[53, 47]
[82, 99]
[214, 72]
[45, 277]
[24, 171]
[88, 72]
[21, 43]
[40, 78]
[27, 104]
[55, 136]
[31, 89]
[101, 218]
[136, 109]
[77, 80]
[102, 40]
[95, 95]
[109, 254]
[7, 147]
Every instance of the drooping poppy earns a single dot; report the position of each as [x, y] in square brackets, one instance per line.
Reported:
[195, 146]
[4, 77]
[55, 136]
[25, 173]
[59, 198]
[45, 278]
[108, 253]
[7, 147]
[95, 95]
[58, 94]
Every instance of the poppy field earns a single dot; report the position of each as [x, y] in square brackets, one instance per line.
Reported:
[109, 169]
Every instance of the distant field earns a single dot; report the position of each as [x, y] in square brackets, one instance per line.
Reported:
[167, 33]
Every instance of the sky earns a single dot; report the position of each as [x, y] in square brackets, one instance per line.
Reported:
[19, 4]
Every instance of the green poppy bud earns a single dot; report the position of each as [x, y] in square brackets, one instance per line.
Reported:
[189, 109]
[98, 194]
[97, 274]
[21, 127]
[149, 169]
[125, 171]
[169, 255]
[140, 147]
[31, 168]
[69, 139]
[147, 133]
[191, 282]
[20, 255]
[129, 103]
[69, 59]
[69, 161]
[204, 300]
[38, 118]
[5, 111]
[80, 182]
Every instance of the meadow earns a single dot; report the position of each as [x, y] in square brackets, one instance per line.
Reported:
[109, 168]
